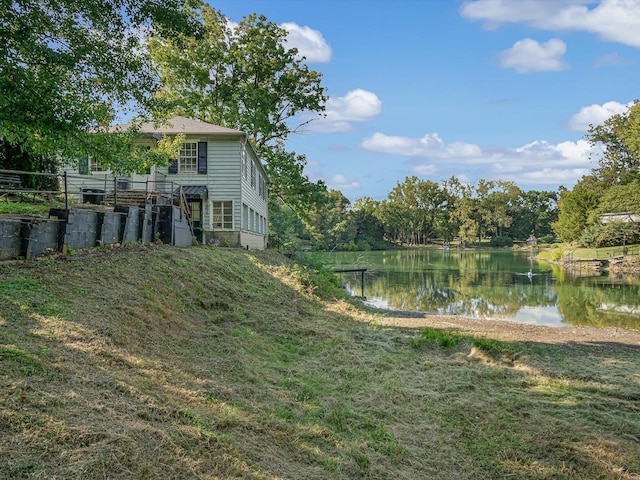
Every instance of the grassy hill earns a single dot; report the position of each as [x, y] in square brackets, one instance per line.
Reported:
[160, 362]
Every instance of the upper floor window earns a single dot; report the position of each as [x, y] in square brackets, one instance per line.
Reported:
[253, 175]
[245, 164]
[188, 160]
[96, 166]
[262, 188]
[88, 165]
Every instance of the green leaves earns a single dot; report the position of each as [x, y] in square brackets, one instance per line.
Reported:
[246, 78]
[69, 67]
[619, 137]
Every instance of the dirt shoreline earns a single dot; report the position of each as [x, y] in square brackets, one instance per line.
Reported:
[511, 331]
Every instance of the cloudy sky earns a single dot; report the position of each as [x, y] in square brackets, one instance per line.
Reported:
[493, 89]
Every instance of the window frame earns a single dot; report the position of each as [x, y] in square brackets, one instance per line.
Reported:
[192, 157]
[223, 209]
[94, 166]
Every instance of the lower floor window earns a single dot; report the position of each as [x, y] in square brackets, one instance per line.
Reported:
[223, 214]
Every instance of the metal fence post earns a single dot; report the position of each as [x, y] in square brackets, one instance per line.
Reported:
[66, 192]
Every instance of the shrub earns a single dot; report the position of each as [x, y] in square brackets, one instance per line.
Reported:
[502, 241]
[547, 238]
[363, 245]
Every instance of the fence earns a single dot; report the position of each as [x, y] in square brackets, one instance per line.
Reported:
[76, 189]
[134, 215]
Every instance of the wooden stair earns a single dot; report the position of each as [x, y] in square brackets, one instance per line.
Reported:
[133, 198]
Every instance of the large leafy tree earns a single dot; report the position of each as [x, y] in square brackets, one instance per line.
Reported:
[67, 67]
[246, 77]
[619, 137]
[370, 230]
[333, 224]
[577, 208]
[610, 187]
[423, 208]
[466, 213]
[621, 198]
[535, 213]
[499, 200]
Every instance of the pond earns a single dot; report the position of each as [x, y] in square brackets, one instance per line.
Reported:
[504, 284]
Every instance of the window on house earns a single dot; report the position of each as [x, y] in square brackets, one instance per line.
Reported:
[188, 161]
[95, 166]
[245, 216]
[253, 175]
[245, 164]
[223, 215]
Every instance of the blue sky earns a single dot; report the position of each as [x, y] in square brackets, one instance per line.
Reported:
[493, 89]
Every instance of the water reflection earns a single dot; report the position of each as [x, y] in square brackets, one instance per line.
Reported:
[492, 284]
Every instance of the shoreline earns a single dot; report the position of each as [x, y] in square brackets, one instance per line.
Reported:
[508, 330]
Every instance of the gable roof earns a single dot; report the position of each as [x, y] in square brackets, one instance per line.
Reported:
[177, 124]
[189, 126]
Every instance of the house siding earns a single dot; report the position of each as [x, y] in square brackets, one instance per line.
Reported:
[251, 198]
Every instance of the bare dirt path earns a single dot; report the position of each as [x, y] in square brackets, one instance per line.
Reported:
[508, 330]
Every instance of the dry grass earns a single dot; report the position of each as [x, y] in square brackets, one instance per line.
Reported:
[211, 363]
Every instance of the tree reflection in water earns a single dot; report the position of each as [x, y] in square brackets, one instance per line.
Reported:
[492, 284]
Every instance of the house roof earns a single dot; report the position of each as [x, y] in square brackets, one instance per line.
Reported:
[177, 124]
[189, 126]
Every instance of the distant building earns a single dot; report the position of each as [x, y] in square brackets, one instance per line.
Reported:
[625, 217]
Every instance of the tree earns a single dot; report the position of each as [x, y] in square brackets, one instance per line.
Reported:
[289, 184]
[333, 225]
[466, 210]
[535, 213]
[619, 137]
[67, 67]
[369, 228]
[577, 209]
[621, 198]
[246, 78]
[498, 203]
[396, 212]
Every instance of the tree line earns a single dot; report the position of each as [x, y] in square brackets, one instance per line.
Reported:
[422, 212]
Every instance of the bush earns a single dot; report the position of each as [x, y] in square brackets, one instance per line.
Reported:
[547, 238]
[502, 241]
[363, 245]
[315, 277]
[609, 235]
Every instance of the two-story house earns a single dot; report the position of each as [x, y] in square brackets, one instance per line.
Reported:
[217, 172]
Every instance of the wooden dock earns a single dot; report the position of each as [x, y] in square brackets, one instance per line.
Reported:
[354, 270]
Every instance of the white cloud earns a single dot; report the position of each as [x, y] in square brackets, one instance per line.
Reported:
[595, 115]
[538, 162]
[528, 56]
[425, 170]
[430, 145]
[340, 182]
[611, 20]
[356, 106]
[309, 42]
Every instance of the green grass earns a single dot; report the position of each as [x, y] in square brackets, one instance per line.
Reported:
[574, 252]
[161, 362]
[27, 205]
